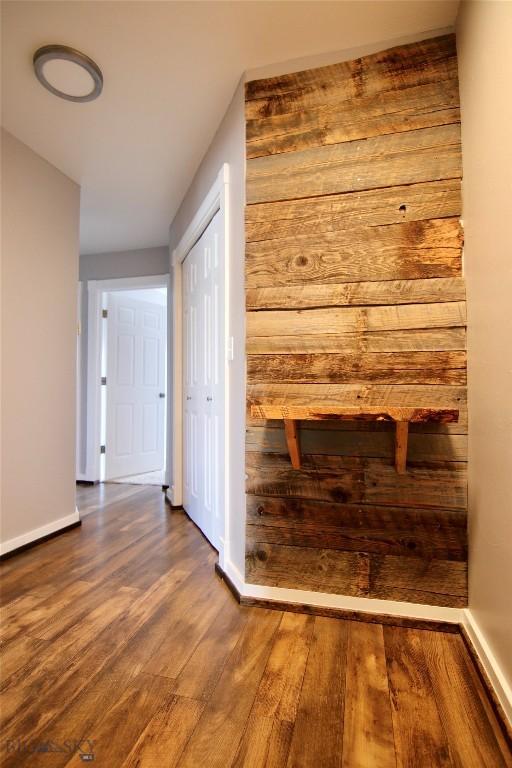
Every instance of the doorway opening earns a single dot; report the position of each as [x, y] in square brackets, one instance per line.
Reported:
[127, 374]
[134, 386]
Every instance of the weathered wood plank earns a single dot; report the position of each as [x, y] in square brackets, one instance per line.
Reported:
[356, 319]
[318, 729]
[415, 249]
[413, 580]
[354, 480]
[437, 582]
[367, 730]
[319, 412]
[465, 720]
[436, 339]
[340, 395]
[321, 570]
[419, 734]
[382, 161]
[339, 442]
[407, 109]
[386, 368]
[353, 210]
[428, 61]
[426, 428]
[312, 295]
[220, 729]
[424, 533]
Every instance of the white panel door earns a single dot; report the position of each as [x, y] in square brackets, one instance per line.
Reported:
[203, 382]
[136, 334]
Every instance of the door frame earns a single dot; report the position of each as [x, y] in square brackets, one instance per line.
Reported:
[96, 290]
[216, 201]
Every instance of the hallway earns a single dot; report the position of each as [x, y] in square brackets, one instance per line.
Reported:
[120, 634]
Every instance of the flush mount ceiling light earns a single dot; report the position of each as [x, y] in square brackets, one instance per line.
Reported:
[68, 73]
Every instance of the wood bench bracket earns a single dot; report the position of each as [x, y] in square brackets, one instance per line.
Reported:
[402, 417]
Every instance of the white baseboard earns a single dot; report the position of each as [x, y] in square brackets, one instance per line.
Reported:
[361, 604]
[38, 533]
[494, 672]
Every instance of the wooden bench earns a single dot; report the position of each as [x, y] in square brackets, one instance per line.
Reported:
[402, 417]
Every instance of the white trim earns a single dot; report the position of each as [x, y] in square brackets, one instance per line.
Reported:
[217, 199]
[489, 662]
[95, 290]
[344, 602]
[38, 533]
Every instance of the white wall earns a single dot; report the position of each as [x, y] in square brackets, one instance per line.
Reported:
[40, 218]
[228, 146]
[484, 34]
[136, 263]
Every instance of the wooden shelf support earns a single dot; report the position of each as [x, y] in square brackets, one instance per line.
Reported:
[402, 417]
[401, 439]
[291, 430]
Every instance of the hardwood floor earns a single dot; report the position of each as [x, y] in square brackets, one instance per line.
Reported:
[118, 633]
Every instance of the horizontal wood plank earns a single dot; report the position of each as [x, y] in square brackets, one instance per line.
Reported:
[312, 295]
[353, 210]
[343, 320]
[412, 250]
[441, 485]
[437, 339]
[428, 61]
[407, 109]
[338, 395]
[383, 161]
[427, 428]
[388, 368]
[338, 442]
[425, 533]
[438, 582]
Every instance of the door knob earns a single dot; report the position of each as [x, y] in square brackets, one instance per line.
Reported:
[162, 394]
[188, 397]
[209, 399]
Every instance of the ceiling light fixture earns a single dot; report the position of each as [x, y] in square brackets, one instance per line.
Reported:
[68, 73]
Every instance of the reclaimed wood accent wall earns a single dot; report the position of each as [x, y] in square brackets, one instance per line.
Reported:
[355, 296]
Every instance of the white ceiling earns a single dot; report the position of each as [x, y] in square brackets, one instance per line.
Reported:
[170, 69]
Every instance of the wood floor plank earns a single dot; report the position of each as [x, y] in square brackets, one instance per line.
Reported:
[127, 717]
[257, 688]
[186, 630]
[219, 731]
[280, 686]
[419, 736]
[318, 729]
[368, 730]
[201, 672]
[265, 744]
[473, 734]
[164, 738]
